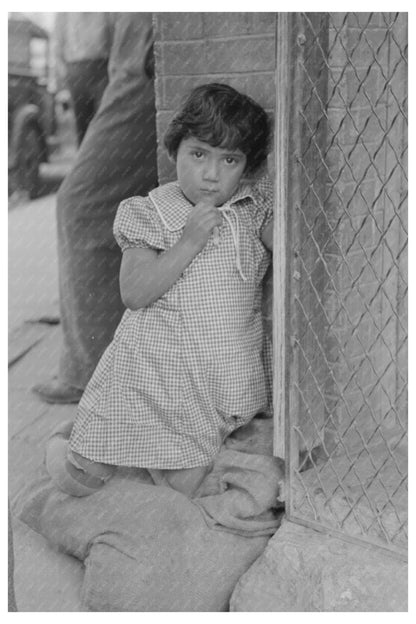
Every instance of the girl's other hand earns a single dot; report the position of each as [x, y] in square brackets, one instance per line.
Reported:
[201, 222]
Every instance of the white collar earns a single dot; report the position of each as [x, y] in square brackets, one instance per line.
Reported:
[173, 207]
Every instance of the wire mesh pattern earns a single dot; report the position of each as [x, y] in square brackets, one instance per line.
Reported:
[347, 417]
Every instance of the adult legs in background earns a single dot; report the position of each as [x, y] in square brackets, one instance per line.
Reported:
[117, 159]
[87, 81]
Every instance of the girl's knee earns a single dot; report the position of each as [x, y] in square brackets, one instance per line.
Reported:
[69, 475]
[90, 467]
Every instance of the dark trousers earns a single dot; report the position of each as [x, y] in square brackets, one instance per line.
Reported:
[87, 81]
[116, 160]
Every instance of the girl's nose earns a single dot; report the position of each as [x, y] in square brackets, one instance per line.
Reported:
[211, 170]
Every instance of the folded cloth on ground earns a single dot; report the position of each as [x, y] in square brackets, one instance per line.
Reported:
[248, 500]
[150, 548]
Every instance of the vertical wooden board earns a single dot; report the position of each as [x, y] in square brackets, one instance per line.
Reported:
[280, 230]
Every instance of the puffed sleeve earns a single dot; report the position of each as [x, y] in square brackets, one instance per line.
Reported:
[265, 195]
[138, 225]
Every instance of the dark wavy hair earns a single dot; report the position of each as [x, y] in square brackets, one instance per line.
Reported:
[222, 117]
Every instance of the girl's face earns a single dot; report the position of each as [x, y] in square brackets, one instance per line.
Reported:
[206, 173]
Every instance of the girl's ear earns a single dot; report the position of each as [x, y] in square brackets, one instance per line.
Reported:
[172, 158]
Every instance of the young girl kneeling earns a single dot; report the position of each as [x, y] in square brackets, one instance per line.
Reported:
[185, 368]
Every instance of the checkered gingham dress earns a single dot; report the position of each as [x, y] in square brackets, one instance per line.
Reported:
[182, 373]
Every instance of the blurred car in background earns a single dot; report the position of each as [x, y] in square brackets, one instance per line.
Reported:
[31, 106]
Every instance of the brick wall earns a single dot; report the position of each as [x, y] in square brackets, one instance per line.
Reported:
[197, 48]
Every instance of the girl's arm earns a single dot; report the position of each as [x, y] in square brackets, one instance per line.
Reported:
[267, 235]
[146, 275]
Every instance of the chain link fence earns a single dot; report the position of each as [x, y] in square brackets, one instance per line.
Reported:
[346, 417]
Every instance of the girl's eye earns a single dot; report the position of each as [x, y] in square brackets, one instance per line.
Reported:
[230, 160]
[197, 155]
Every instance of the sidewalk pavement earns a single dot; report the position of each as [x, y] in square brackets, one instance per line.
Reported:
[45, 580]
[32, 262]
